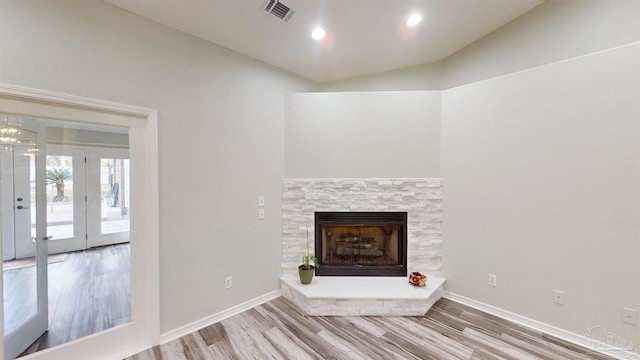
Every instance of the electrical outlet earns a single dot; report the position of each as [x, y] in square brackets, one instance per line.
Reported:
[493, 280]
[558, 297]
[260, 200]
[227, 282]
[261, 214]
[630, 316]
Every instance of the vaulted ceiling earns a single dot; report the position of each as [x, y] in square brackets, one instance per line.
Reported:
[362, 36]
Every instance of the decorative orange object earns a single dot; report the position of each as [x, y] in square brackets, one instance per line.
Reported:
[417, 279]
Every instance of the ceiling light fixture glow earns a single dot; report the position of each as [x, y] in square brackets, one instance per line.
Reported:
[414, 20]
[318, 34]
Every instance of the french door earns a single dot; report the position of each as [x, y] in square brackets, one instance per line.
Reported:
[17, 175]
[66, 205]
[108, 189]
[89, 205]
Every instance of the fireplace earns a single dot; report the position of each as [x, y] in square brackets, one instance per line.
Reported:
[361, 243]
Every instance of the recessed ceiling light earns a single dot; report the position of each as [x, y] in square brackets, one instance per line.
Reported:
[414, 20]
[318, 34]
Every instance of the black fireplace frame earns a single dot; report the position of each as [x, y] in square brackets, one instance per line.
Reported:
[362, 218]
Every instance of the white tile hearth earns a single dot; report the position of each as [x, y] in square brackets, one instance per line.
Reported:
[361, 296]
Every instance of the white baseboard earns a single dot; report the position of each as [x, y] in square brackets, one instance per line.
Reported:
[535, 325]
[214, 318]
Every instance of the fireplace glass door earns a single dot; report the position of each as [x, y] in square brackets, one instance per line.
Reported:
[361, 244]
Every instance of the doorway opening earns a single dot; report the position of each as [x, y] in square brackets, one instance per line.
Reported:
[85, 211]
[143, 330]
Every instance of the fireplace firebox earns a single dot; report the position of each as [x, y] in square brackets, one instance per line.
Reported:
[361, 243]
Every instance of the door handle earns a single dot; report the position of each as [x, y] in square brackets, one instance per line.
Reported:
[20, 207]
[33, 239]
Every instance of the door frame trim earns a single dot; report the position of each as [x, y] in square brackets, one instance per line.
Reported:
[144, 329]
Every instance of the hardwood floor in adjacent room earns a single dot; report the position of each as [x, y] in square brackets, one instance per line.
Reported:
[278, 330]
[88, 292]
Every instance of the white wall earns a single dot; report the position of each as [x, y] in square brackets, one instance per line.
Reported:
[362, 135]
[553, 31]
[541, 177]
[221, 136]
[415, 78]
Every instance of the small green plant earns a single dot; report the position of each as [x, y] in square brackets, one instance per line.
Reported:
[308, 258]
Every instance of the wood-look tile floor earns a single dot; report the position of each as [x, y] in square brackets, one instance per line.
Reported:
[278, 330]
[88, 292]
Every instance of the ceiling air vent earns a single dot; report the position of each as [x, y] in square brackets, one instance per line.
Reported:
[279, 10]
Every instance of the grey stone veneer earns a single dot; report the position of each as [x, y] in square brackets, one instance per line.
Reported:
[420, 198]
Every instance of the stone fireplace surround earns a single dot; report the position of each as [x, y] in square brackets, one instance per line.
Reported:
[421, 198]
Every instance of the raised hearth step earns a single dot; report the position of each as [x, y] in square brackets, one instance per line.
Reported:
[362, 296]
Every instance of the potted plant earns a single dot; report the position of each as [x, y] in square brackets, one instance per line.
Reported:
[306, 270]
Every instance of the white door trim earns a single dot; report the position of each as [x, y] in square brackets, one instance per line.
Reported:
[144, 329]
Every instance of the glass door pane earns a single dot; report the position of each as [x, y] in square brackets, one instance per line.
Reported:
[19, 273]
[60, 196]
[25, 274]
[114, 187]
[66, 204]
[32, 195]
